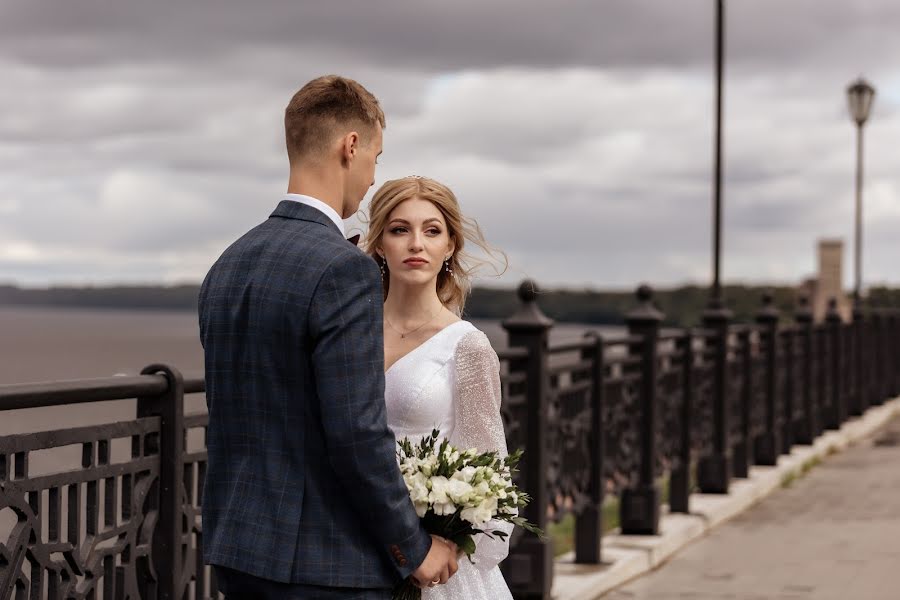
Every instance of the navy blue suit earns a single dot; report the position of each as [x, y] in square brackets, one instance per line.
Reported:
[302, 485]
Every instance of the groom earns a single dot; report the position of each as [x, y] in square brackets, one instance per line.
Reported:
[303, 495]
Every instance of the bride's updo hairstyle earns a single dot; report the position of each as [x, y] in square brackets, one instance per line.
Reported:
[451, 289]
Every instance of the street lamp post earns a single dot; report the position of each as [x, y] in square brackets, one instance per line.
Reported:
[715, 299]
[714, 469]
[859, 95]
[859, 98]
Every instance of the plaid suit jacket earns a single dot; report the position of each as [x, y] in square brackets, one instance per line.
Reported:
[302, 484]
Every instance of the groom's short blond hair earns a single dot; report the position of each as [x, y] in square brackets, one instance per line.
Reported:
[327, 107]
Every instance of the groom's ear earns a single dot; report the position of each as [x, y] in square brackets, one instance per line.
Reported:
[349, 147]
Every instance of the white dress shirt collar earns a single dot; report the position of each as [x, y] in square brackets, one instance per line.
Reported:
[321, 207]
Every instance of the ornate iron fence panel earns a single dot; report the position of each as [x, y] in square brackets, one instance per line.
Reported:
[670, 399]
[198, 580]
[800, 383]
[569, 460]
[848, 371]
[622, 445]
[514, 406]
[734, 389]
[781, 377]
[512, 411]
[758, 394]
[703, 398]
[819, 372]
[86, 529]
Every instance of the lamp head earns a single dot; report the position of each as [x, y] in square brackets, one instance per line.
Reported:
[859, 96]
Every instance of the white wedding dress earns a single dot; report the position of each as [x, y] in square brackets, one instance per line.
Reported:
[452, 383]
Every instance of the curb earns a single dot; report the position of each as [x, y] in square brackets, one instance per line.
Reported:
[627, 557]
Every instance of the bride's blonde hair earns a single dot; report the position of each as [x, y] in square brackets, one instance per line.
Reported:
[451, 289]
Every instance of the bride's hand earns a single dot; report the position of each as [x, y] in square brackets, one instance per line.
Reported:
[459, 551]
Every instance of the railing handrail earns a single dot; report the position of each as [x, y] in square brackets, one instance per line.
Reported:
[79, 391]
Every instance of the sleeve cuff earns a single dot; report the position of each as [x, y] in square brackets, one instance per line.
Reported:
[408, 555]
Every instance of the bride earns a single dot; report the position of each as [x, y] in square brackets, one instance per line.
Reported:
[440, 371]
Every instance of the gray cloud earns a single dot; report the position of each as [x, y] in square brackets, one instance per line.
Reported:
[136, 141]
[444, 36]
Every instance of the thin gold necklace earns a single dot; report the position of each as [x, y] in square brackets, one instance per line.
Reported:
[403, 335]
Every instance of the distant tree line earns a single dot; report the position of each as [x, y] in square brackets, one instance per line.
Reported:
[682, 306]
[180, 297]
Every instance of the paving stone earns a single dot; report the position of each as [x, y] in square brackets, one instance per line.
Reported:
[833, 534]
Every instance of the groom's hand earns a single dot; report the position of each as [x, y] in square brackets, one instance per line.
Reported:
[439, 565]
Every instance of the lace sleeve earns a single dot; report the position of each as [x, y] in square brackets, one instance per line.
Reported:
[478, 425]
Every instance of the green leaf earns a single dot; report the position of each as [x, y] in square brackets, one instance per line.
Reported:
[467, 545]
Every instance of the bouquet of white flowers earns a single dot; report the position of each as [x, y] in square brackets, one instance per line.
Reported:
[457, 492]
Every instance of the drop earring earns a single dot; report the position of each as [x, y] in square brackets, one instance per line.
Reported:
[447, 266]
[381, 265]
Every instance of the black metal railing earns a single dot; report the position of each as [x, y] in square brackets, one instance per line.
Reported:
[694, 407]
[599, 418]
[123, 522]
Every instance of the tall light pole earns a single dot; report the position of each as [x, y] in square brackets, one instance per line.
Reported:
[859, 95]
[715, 299]
[714, 469]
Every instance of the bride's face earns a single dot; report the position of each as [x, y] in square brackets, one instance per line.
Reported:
[415, 242]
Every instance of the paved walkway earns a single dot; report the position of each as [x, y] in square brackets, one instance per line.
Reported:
[833, 535]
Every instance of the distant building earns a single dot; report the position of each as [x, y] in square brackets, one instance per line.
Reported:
[829, 281]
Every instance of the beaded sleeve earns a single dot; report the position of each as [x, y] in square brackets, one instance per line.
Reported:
[479, 425]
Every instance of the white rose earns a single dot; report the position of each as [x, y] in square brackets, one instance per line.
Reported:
[439, 486]
[479, 515]
[444, 508]
[418, 488]
[458, 490]
[465, 474]
[428, 465]
[451, 455]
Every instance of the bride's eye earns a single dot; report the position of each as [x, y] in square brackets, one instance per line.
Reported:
[398, 230]
[434, 231]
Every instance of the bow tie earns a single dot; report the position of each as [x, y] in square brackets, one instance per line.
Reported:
[354, 239]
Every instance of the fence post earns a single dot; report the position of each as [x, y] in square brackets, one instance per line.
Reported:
[887, 326]
[589, 523]
[641, 504]
[742, 453]
[168, 533]
[858, 347]
[714, 469]
[529, 568]
[894, 352]
[836, 411]
[767, 445]
[788, 390]
[806, 428]
[680, 476]
[878, 390]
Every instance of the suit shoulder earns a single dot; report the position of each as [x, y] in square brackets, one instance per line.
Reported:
[346, 259]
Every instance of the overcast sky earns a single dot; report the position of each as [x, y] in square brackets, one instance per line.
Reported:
[137, 141]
